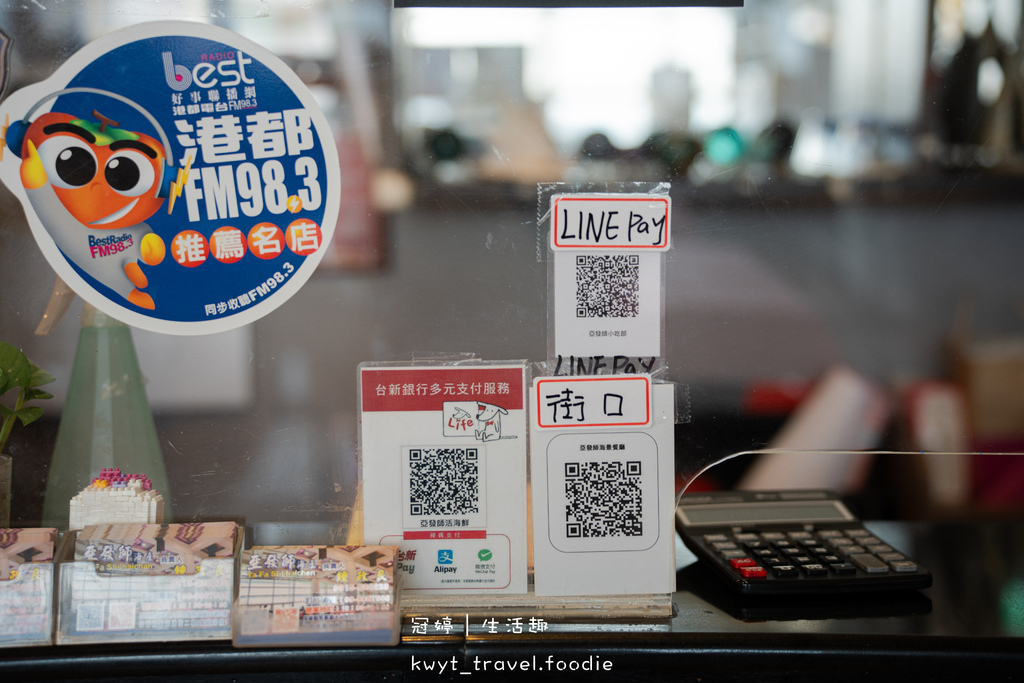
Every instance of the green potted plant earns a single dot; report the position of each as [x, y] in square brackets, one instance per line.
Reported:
[19, 374]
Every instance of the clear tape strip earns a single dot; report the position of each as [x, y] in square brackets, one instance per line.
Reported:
[145, 8]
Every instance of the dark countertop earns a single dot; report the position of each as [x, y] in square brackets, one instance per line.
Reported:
[968, 626]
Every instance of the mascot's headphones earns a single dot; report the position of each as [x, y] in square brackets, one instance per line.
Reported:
[15, 134]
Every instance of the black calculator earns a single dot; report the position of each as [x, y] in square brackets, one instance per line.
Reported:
[791, 542]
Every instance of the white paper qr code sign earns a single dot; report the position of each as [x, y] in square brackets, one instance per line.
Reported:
[607, 303]
[603, 492]
[602, 504]
[444, 472]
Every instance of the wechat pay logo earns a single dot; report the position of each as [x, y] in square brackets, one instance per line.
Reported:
[485, 555]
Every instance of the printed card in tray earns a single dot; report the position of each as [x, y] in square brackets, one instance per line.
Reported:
[144, 582]
[317, 595]
[26, 586]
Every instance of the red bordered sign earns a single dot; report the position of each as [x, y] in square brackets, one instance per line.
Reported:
[610, 222]
[571, 402]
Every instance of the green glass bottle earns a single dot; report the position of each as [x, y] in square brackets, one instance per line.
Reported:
[106, 420]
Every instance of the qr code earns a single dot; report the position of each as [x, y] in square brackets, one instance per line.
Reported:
[90, 617]
[121, 616]
[603, 499]
[607, 286]
[444, 481]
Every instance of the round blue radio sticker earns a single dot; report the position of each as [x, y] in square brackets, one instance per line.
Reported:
[176, 175]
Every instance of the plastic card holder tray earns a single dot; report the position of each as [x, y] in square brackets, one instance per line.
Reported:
[26, 586]
[301, 596]
[100, 606]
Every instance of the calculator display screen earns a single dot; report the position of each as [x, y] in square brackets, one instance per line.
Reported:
[761, 512]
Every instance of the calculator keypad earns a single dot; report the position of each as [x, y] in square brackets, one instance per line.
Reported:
[809, 553]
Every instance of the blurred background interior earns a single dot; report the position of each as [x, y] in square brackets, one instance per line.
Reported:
[848, 222]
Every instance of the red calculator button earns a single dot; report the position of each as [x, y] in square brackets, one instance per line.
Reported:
[739, 562]
[753, 572]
